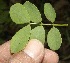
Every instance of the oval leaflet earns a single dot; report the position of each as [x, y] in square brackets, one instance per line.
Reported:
[20, 39]
[38, 33]
[54, 39]
[49, 12]
[19, 14]
[33, 11]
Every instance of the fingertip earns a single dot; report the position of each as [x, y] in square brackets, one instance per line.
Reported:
[35, 49]
[50, 57]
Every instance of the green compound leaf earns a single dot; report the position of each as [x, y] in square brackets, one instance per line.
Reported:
[49, 12]
[33, 11]
[20, 39]
[38, 33]
[54, 39]
[19, 14]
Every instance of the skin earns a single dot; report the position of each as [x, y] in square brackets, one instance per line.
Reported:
[33, 53]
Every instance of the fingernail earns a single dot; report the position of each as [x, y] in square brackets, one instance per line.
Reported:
[35, 50]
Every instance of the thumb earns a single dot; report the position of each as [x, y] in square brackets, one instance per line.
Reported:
[33, 53]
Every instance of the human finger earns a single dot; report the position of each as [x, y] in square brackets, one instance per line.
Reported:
[5, 52]
[50, 57]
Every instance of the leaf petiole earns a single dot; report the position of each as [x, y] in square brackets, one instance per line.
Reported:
[50, 24]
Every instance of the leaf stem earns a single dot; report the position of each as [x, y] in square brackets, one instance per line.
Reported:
[50, 24]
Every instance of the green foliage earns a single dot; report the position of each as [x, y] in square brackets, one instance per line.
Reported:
[19, 14]
[5, 21]
[49, 12]
[3, 12]
[20, 39]
[1, 41]
[27, 12]
[38, 33]
[34, 13]
[1, 28]
[3, 16]
[54, 39]
[2, 5]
